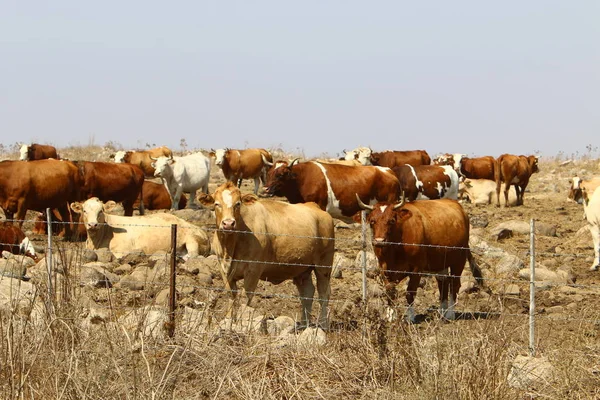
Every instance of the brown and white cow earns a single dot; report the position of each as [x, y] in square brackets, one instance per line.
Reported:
[121, 183]
[425, 182]
[422, 237]
[389, 159]
[243, 164]
[142, 158]
[272, 241]
[332, 186]
[36, 151]
[578, 185]
[37, 185]
[148, 233]
[452, 160]
[514, 170]
[13, 240]
[155, 196]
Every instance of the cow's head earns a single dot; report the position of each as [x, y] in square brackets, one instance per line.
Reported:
[162, 165]
[575, 192]
[220, 155]
[533, 164]
[227, 203]
[386, 220]
[92, 212]
[121, 156]
[278, 176]
[349, 155]
[24, 152]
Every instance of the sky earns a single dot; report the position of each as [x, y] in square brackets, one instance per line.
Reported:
[481, 78]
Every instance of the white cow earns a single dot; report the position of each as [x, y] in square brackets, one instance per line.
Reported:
[183, 174]
[362, 154]
[482, 191]
[591, 207]
[148, 233]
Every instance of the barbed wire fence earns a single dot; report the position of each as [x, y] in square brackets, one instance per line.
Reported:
[363, 268]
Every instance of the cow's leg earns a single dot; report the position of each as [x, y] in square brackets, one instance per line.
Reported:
[323, 276]
[519, 193]
[306, 290]
[595, 230]
[176, 197]
[192, 203]
[128, 208]
[411, 293]
[65, 216]
[506, 190]
[443, 286]
[256, 184]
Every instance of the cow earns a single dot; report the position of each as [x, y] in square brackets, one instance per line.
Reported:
[243, 164]
[13, 240]
[482, 192]
[390, 158]
[183, 174]
[514, 170]
[37, 185]
[142, 158]
[36, 151]
[331, 186]
[577, 186]
[453, 160]
[272, 241]
[40, 224]
[156, 197]
[422, 237]
[478, 167]
[107, 181]
[361, 154]
[147, 233]
[427, 182]
[591, 207]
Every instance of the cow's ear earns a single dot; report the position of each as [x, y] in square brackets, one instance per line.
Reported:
[249, 199]
[109, 206]
[111, 156]
[77, 207]
[404, 214]
[206, 200]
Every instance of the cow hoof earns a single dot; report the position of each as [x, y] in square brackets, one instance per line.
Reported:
[595, 267]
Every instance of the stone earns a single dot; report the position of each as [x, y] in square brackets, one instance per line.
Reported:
[340, 263]
[312, 337]
[16, 293]
[512, 290]
[123, 269]
[12, 268]
[133, 257]
[372, 264]
[508, 265]
[281, 325]
[97, 275]
[528, 372]
[104, 255]
[479, 221]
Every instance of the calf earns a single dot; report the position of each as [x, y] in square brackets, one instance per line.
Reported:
[183, 174]
[37, 152]
[427, 181]
[148, 233]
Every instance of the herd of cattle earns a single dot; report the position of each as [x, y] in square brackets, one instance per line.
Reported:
[280, 240]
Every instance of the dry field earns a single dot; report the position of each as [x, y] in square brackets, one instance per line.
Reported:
[99, 343]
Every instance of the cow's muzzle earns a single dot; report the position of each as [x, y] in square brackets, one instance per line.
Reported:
[379, 242]
[228, 224]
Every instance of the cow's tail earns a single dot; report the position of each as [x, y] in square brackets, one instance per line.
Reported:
[475, 270]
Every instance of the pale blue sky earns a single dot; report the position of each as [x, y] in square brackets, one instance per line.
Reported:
[469, 76]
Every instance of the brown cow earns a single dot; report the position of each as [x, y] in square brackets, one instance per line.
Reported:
[478, 168]
[108, 181]
[37, 185]
[243, 164]
[427, 182]
[37, 152]
[389, 158]
[142, 158]
[156, 197]
[422, 237]
[272, 241]
[332, 186]
[13, 240]
[578, 185]
[514, 170]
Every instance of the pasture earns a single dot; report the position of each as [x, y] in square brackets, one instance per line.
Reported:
[106, 337]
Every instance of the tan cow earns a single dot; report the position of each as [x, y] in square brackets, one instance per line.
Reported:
[591, 207]
[578, 185]
[148, 233]
[482, 192]
[273, 241]
[243, 164]
[142, 158]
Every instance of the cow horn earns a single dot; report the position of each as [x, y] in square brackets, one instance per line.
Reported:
[265, 161]
[153, 159]
[212, 150]
[402, 202]
[363, 205]
[296, 160]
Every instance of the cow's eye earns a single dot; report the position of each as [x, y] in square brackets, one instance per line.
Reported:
[238, 204]
[218, 205]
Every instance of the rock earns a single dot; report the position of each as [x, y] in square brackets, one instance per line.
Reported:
[559, 277]
[150, 320]
[204, 279]
[186, 285]
[343, 225]
[479, 221]
[375, 290]
[12, 268]
[97, 275]
[523, 228]
[26, 261]
[529, 372]
[312, 337]
[372, 264]
[123, 269]
[162, 298]
[15, 293]
[340, 263]
[512, 290]
[500, 234]
[133, 257]
[104, 255]
[508, 265]
[197, 265]
[144, 277]
[281, 325]
[159, 255]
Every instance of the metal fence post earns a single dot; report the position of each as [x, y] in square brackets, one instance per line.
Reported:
[49, 305]
[532, 288]
[363, 222]
[173, 274]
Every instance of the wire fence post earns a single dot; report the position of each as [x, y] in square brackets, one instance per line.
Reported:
[172, 300]
[49, 305]
[532, 288]
[363, 222]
